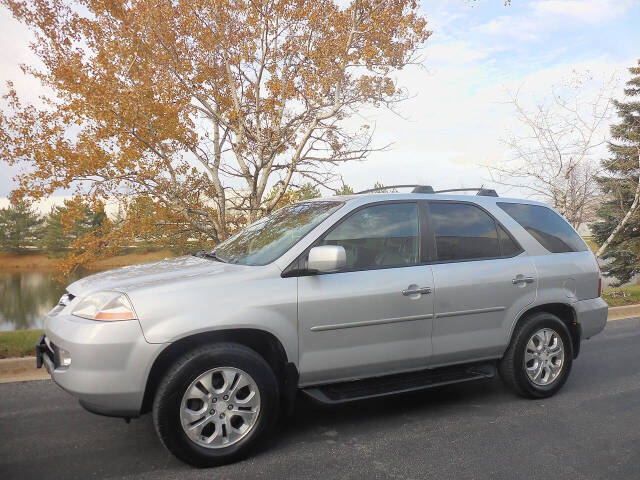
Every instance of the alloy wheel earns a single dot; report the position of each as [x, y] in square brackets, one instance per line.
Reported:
[544, 356]
[220, 407]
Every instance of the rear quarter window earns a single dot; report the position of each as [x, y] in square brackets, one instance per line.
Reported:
[546, 226]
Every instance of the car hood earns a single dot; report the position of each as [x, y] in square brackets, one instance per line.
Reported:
[135, 276]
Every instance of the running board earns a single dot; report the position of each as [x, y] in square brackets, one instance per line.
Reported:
[404, 382]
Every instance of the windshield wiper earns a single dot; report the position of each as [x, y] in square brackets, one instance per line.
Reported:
[212, 255]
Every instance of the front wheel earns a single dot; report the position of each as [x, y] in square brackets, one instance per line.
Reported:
[215, 404]
[539, 358]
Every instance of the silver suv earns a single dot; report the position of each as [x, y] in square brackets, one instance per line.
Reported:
[342, 299]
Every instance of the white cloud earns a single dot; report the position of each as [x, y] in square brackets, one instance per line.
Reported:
[542, 17]
[588, 11]
[455, 123]
[460, 52]
[15, 51]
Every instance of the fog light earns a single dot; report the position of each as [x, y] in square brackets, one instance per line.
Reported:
[64, 357]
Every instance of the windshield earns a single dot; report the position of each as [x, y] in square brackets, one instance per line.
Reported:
[267, 239]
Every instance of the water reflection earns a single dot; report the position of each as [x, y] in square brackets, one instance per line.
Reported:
[26, 296]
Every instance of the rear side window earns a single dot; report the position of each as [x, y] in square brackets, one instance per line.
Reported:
[546, 226]
[463, 232]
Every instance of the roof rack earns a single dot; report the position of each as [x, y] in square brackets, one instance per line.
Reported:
[416, 189]
[483, 192]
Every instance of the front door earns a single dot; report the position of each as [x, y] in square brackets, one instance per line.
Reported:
[374, 317]
[482, 279]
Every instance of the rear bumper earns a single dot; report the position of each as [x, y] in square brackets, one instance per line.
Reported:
[591, 315]
[110, 362]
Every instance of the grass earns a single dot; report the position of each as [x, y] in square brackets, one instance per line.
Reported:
[593, 246]
[27, 261]
[18, 343]
[614, 296]
[42, 262]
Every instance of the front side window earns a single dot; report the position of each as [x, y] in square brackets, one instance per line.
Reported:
[546, 226]
[267, 239]
[379, 236]
[463, 232]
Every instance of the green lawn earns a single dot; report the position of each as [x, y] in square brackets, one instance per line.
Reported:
[18, 343]
[614, 296]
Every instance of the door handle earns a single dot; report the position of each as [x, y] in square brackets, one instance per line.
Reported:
[520, 279]
[416, 291]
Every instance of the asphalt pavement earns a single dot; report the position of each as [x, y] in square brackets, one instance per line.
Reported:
[590, 430]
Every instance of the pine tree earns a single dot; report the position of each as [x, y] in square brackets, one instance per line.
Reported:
[345, 190]
[306, 192]
[619, 213]
[59, 236]
[20, 227]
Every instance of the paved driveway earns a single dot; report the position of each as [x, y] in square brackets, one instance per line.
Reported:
[591, 429]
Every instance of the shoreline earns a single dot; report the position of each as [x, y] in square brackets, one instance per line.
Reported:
[45, 263]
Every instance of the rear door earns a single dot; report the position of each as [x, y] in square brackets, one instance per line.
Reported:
[482, 279]
[369, 319]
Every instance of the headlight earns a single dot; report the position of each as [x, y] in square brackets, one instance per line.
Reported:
[105, 306]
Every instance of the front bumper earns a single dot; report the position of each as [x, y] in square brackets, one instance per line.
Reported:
[110, 362]
[591, 315]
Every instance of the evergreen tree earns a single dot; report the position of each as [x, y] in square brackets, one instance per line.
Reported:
[61, 230]
[345, 190]
[384, 190]
[619, 212]
[306, 192]
[20, 227]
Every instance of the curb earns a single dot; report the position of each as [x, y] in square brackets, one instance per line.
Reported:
[21, 370]
[623, 312]
[24, 369]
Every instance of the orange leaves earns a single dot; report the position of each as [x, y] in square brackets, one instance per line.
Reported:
[202, 106]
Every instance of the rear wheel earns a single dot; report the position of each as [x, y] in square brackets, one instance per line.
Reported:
[539, 358]
[215, 404]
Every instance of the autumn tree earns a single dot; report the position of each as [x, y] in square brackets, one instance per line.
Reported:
[212, 109]
[69, 224]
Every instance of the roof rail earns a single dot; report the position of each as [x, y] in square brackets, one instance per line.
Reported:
[482, 192]
[416, 188]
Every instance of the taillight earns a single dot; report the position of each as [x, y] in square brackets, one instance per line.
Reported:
[599, 279]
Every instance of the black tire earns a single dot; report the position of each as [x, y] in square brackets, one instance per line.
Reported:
[167, 402]
[512, 366]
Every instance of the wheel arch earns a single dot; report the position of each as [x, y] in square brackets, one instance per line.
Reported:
[264, 343]
[564, 312]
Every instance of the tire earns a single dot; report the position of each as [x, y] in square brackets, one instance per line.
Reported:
[513, 369]
[203, 370]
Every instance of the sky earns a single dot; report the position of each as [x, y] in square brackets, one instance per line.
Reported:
[452, 125]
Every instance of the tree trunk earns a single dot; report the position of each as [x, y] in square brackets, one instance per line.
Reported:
[625, 219]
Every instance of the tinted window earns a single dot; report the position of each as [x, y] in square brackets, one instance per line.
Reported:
[268, 238]
[507, 244]
[546, 226]
[378, 236]
[463, 232]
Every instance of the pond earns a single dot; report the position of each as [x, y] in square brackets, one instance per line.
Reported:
[26, 296]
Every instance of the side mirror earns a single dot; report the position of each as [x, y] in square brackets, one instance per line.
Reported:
[327, 258]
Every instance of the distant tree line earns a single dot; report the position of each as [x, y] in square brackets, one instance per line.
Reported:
[23, 230]
[68, 229]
